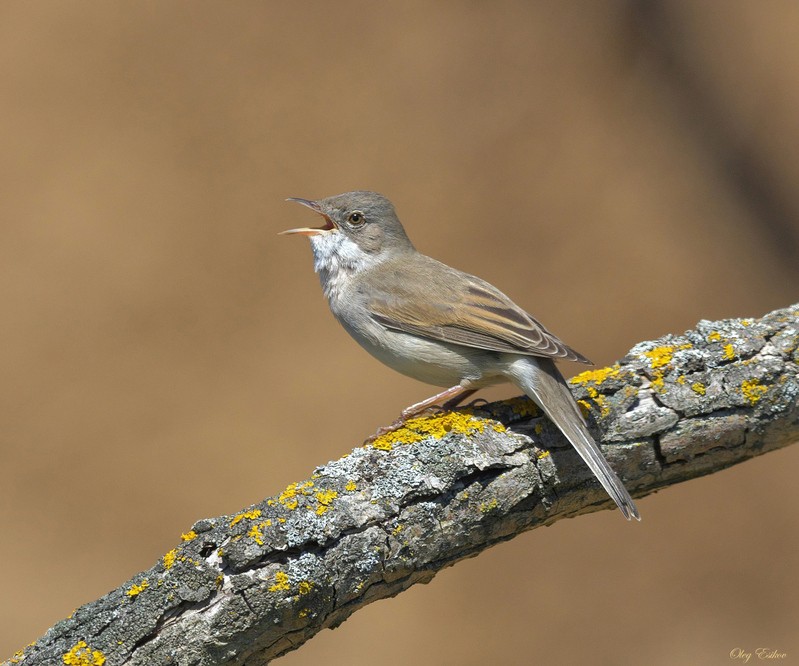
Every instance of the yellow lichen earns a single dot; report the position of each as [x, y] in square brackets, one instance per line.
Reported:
[660, 356]
[729, 352]
[289, 492]
[681, 380]
[597, 376]
[305, 587]
[698, 387]
[252, 514]
[399, 528]
[188, 536]
[542, 454]
[420, 428]
[82, 655]
[256, 533]
[19, 655]
[351, 485]
[169, 559]
[585, 408]
[137, 589]
[289, 497]
[281, 582]
[303, 613]
[715, 336]
[599, 399]
[325, 500]
[326, 497]
[485, 507]
[753, 390]
[382, 444]
[220, 579]
[745, 322]
[657, 382]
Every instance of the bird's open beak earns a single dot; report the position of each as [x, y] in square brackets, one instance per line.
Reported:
[310, 231]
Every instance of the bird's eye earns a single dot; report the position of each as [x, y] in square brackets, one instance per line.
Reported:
[355, 218]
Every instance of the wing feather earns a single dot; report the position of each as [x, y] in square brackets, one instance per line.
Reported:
[464, 310]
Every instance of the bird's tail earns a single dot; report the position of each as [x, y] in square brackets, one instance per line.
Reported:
[543, 383]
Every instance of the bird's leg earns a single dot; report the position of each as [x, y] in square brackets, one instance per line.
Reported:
[457, 399]
[452, 397]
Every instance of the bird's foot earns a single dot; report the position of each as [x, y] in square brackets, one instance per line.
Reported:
[384, 430]
[402, 420]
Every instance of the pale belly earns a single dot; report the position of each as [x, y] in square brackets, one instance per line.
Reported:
[430, 361]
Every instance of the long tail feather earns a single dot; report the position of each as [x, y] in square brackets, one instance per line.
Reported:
[543, 383]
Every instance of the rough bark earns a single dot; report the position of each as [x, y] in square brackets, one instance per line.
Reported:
[247, 588]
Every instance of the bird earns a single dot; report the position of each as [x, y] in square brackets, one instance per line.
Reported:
[440, 325]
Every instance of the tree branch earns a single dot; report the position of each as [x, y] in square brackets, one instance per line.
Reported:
[251, 587]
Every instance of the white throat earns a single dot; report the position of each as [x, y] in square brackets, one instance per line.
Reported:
[336, 258]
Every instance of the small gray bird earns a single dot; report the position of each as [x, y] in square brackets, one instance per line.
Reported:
[439, 325]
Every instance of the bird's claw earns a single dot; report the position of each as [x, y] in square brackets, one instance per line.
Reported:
[402, 420]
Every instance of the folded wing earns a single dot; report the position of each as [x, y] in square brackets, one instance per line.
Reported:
[478, 315]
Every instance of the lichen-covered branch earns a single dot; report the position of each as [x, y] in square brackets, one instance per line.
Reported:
[245, 589]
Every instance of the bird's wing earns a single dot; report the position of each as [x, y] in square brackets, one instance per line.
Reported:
[462, 310]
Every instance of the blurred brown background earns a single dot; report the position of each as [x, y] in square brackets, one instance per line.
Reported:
[166, 357]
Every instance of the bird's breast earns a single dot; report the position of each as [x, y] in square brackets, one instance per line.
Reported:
[430, 361]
